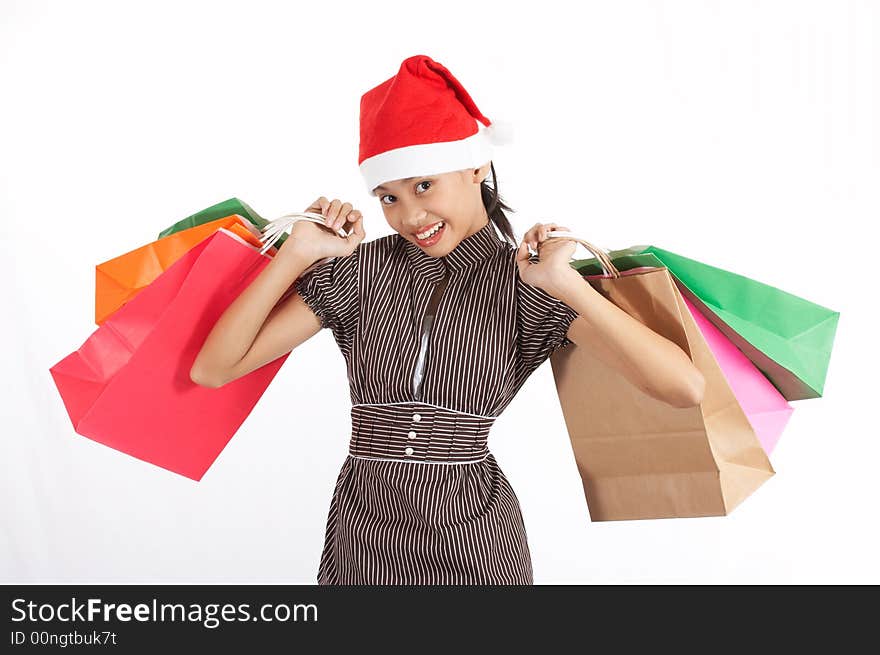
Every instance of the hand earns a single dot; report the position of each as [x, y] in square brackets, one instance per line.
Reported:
[554, 257]
[313, 241]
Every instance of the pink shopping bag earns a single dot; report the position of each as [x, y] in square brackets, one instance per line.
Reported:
[767, 410]
[128, 385]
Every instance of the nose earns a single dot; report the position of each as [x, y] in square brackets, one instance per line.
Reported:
[414, 215]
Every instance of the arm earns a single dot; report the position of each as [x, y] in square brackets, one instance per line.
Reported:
[256, 329]
[648, 360]
[253, 331]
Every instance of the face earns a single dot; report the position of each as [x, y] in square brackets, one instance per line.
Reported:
[448, 201]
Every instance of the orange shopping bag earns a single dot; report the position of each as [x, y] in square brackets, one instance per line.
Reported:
[120, 279]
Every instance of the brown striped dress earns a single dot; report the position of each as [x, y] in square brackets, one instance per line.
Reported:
[435, 349]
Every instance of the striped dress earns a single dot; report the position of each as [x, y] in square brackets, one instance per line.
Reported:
[435, 349]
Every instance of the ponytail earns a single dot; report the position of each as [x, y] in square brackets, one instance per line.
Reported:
[495, 206]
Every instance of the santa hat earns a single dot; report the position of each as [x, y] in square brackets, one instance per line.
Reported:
[422, 122]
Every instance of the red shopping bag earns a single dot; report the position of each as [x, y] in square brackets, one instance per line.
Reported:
[128, 385]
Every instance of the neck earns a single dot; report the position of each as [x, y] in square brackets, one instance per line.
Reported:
[479, 225]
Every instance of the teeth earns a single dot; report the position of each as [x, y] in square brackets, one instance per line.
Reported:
[425, 235]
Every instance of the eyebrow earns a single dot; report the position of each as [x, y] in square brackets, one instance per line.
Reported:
[406, 179]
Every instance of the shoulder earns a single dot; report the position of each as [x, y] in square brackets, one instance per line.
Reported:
[364, 252]
[362, 263]
[510, 251]
[507, 255]
[379, 248]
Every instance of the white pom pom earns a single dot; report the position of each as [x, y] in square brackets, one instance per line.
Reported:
[500, 133]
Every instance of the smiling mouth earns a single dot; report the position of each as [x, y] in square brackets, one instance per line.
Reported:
[431, 235]
[426, 230]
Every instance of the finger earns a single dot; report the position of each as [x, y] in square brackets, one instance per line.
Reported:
[353, 216]
[522, 256]
[543, 231]
[320, 205]
[333, 211]
[344, 211]
[546, 229]
[538, 238]
[345, 221]
[328, 211]
[557, 228]
[358, 226]
[531, 237]
[358, 233]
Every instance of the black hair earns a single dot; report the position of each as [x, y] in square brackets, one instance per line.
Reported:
[495, 206]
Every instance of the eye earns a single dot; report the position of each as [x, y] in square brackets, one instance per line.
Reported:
[428, 182]
[382, 199]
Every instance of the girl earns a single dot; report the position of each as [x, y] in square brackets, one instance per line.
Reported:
[440, 324]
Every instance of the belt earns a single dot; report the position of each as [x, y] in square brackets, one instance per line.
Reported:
[418, 432]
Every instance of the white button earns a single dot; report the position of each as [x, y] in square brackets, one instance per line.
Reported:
[408, 451]
[411, 434]
[417, 417]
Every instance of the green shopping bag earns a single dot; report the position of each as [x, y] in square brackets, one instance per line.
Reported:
[788, 338]
[221, 210]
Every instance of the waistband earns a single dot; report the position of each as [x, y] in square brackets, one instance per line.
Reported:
[418, 432]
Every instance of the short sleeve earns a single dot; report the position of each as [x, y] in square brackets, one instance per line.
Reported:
[331, 292]
[542, 324]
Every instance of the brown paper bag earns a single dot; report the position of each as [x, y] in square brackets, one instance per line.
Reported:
[638, 457]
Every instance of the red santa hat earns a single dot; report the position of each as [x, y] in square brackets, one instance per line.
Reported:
[422, 122]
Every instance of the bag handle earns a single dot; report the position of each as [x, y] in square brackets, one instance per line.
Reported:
[273, 230]
[602, 257]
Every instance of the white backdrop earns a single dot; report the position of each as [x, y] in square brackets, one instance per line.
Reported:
[743, 134]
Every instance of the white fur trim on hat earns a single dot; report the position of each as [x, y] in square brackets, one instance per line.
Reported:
[428, 159]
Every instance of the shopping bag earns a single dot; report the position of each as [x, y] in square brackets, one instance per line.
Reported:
[120, 279]
[212, 213]
[788, 338]
[766, 408]
[639, 457]
[221, 209]
[128, 386]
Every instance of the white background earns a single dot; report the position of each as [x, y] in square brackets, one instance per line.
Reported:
[744, 134]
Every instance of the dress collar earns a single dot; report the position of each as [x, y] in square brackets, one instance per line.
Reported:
[471, 250]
